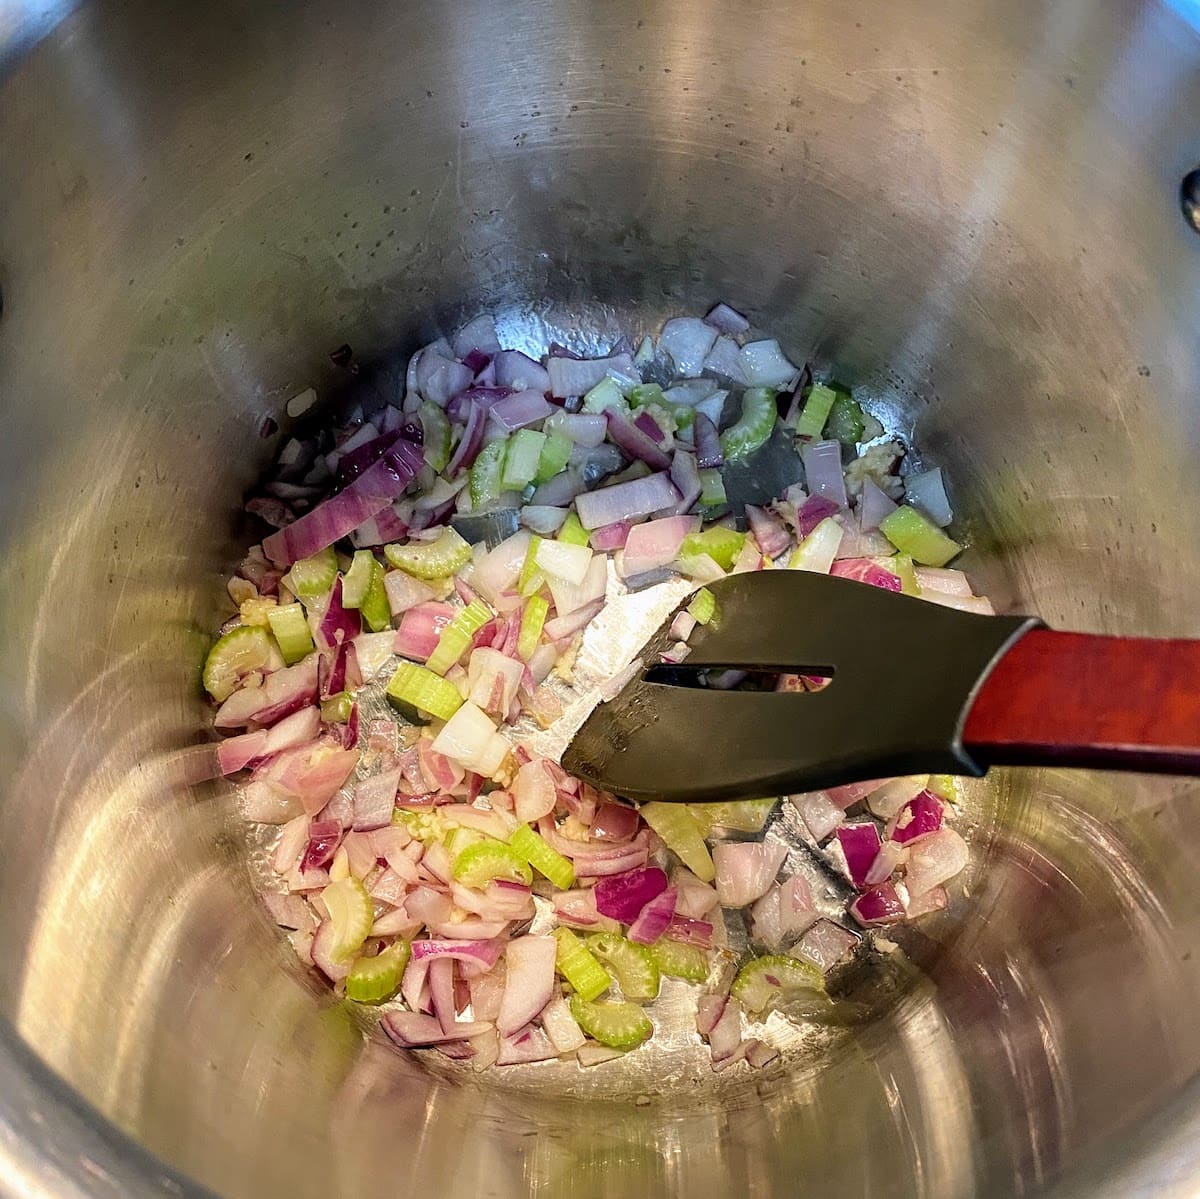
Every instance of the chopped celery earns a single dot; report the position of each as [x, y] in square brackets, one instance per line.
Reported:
[703, 607]
[817, 550]
[424, 690]
[336, 709]
[914, 534]
[901, 565]
[455, 638]
[542, 857]
[244, 649]
[738, 815]
[478, 864]
[576, 963]
[683, 416]
[722, 545]
[636, 971]
[762, 981]
[572, 531]
[436, 428]
[290, 627]
[712, 487]
[485, 473]
[461, 838]
[678, 960]
[646, 393]
[532, 621]
[352, 914]
[532, 578]
[945, 786]
[564, 560]
[522, 458]
[606, 394]
[376, 980]
[315, 575]
[431, 559]
[845, 423]
[617, 1025]
[816, 411]
[376, 610]
[755, 424]
[680, 833]
[554, 456]
[357, 580]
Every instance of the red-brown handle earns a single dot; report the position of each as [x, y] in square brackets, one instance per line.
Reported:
[1075, 699]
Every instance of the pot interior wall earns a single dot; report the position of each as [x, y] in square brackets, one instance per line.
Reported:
[968, 212]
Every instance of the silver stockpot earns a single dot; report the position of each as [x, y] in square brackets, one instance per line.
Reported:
[969, 210]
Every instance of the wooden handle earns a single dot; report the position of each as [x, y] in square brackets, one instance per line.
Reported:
[1080, 700]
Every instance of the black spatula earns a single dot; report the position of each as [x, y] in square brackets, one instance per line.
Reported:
[915, 688]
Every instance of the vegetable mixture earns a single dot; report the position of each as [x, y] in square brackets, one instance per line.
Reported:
[455, 546]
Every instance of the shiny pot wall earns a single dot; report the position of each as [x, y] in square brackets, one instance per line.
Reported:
[967, 209]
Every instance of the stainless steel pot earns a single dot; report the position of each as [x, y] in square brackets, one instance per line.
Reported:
[968, 209]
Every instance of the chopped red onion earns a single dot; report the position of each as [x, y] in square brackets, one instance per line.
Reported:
[688, 340]
[587, 429]
[533, 792]
[577, 909]
[575, 376]
[860, 843]
[309, 773]
[811, 512]
[686, 477]
[413, 1030]
[562, 627]
[405, 592]
[690, 931]
[933, 900]
[477, 336]
[863, 570]
[874, 506]
[927, 492]
[726, 319]
[615, 822]
[890, 796]
[483, 954]
[625, 501]
[559, 491]
[322, 954]
[654, 919]
[514, 369]
[725, 361]
[920, 817]
[612, 537]
[823, 471]
[421, 629]
[528, 981]
[531, 1046]
[653, 544]
[764, 364]
[652, 429]
[769, 531]
[439, 378]
[520, 409]
[891, 856]
[827, 944]
[375, 800]
[633, 440]
[471, 440]
[543, 519]
[880, 905]
[819, 813]
[745, 869]
[239, 752]
[622, 896]
[934, 860]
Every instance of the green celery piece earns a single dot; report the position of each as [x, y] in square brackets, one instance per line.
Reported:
[431, 559]
[681, 835]
[376, 610]
[245, 648]
[485, 473]
[532, 578]
[739, 815]
[677, 960]
[901, 565]
[436, 428]
[572, 531]
[816, 411]
[606, 394]
[314, 576]
[461, 838]
[290, 628]
[636, 970]
[376, 980]
[763, 981]
[683, 416]
[546, 860]
[712, 487]
[722, 545]
[533, 619]
[912, 533]
[521, 461]
[455, 638]
[945, 786]
[845, 423]
[424, 690]
[357, 580]
[478, 864]
[816, 551]
[576, 963]
[336, 709]
[754, 426]
[617, 1025]
[554, 456]
[703, 607]
[352, 913]
[646, 393]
